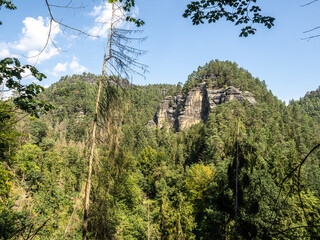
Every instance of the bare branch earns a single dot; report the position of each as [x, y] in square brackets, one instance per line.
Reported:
[68, 6]
[46, 44]
[284, 180]
[309, 3]
[312, 29]
[309, 38]
[65, 25]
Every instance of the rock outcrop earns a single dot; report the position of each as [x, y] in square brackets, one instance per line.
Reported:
[181, 113]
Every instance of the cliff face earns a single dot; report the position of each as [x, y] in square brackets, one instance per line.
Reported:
[181, 113]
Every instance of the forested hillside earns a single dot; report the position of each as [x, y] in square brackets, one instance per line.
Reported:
[311, 104]
[233, 177]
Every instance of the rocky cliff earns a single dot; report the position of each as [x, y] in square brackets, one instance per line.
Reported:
[182, 112]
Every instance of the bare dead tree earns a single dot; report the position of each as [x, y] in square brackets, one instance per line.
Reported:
[120, 59]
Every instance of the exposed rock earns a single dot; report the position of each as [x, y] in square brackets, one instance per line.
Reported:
[249, 96]
[194, 108]
[181, 113]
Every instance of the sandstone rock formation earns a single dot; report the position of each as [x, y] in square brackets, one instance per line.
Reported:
[181, 113]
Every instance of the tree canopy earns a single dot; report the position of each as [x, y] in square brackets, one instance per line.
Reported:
[240, 12]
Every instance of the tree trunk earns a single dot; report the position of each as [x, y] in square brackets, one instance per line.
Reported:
[237, 184]
[88, 184]
[148, 221]
[93, 135]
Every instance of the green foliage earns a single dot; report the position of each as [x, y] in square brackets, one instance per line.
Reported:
[198, 180]
[11, 221]
[239, 12]
[5, 184]
[127, 6]
[148, 159]
[28, 164]
[8, 133]
[157, 183]
[225, 73]
[38, 130]
[11, 73]
[8, 5]
[311, 104]
[74, 99]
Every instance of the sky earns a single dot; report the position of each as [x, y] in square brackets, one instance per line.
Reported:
[174, 47]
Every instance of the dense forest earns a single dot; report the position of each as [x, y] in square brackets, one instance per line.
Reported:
[235, 177]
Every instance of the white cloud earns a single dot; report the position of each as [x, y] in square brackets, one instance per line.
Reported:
[72, 67]
[35, 34]
[76, 67]
[60, 67]
[36, 56]
[33, 39]
[5, 51]
[103, 14]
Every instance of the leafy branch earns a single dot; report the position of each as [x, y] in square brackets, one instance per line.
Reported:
[11, 73]
[239, 12]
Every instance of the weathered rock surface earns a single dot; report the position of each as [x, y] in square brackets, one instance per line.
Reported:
[181, 113]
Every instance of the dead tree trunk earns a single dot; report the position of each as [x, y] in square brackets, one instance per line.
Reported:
[94, 128]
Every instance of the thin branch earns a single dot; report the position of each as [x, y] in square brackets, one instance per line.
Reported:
[68, 3]
[65, 25]
[29, 232]
[282, 204]
[52, 19]
[36, 232]
[312, 29]
[283, 181]
[309, 38]
[21, 118]
[46, 44]
[295, 169]
[68, 6]
[309, 3]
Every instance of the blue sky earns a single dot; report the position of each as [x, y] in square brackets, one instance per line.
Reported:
[175, 48]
